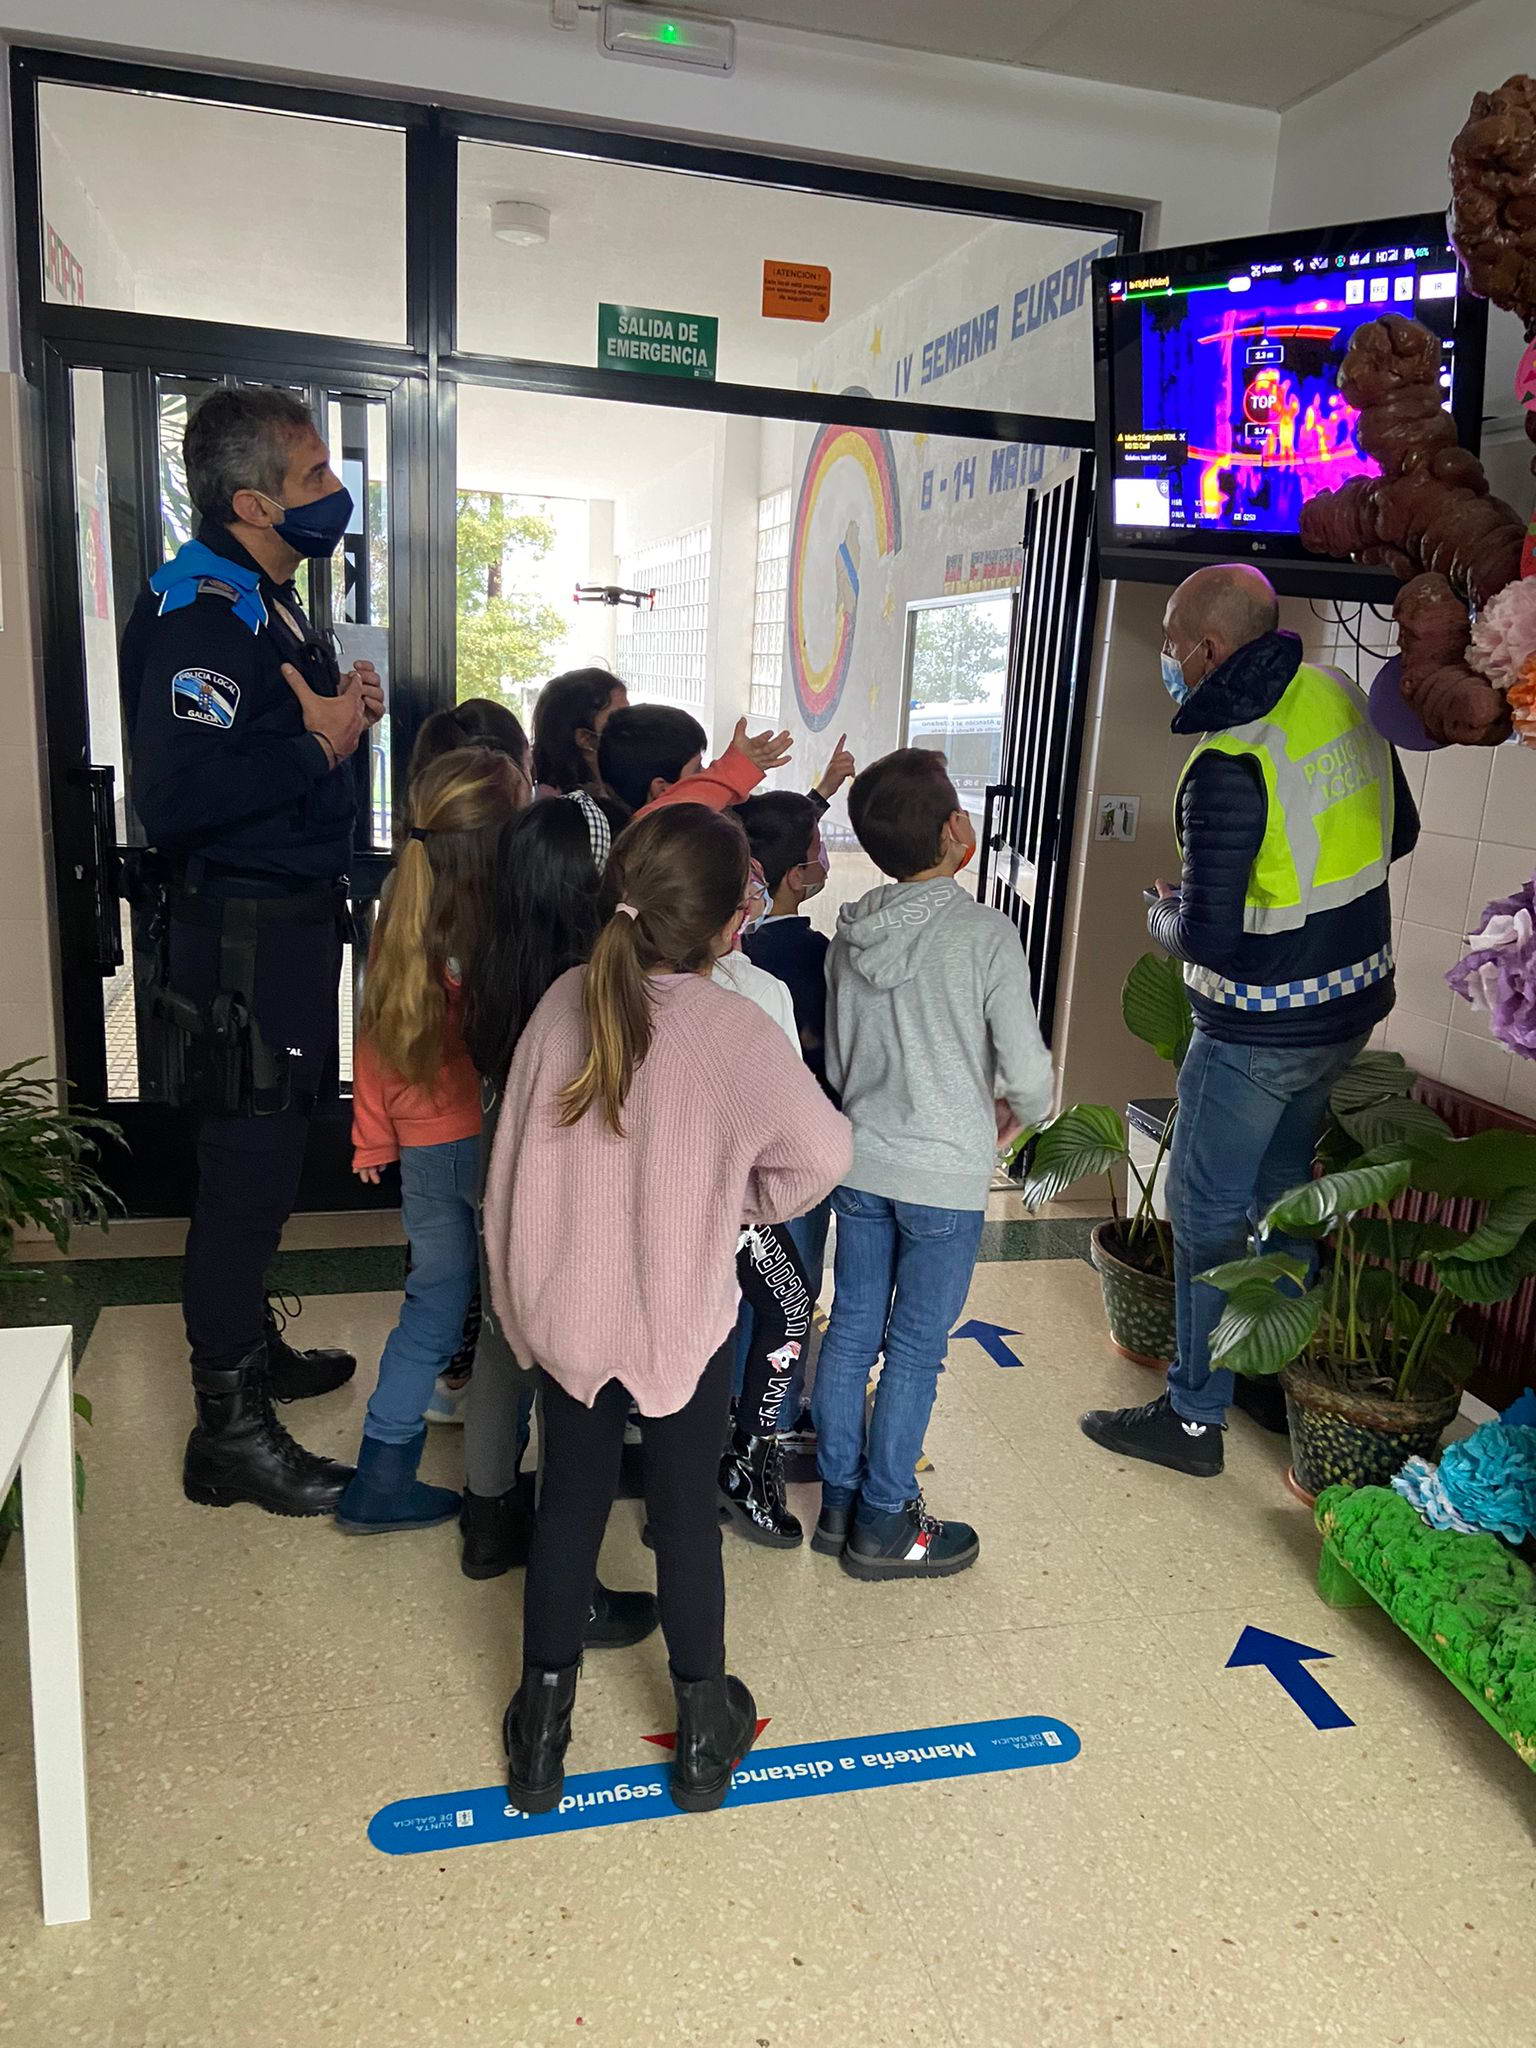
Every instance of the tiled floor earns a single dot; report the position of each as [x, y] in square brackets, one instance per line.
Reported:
[1208, 1871]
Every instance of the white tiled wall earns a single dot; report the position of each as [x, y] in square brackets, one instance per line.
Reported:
[1477, 808]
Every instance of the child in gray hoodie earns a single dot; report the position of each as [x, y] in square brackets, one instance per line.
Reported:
[932, 1042]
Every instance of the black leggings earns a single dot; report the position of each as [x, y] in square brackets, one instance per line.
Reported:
[578, 1477]
[772, 1279]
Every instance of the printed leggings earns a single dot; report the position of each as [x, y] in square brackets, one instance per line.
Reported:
[771, 1275]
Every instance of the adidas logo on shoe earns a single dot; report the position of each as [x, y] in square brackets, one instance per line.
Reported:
[1193, 1428]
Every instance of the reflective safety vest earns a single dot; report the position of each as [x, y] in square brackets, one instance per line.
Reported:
[1328, 779]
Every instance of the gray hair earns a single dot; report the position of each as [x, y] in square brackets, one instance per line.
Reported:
[241, 440]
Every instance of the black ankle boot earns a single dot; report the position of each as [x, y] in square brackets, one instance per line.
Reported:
[239, 1451]
[497, 1529]
[716, 1726]
[537, 1733]
[300, 1375]
[752, 1486]
[619, 1620]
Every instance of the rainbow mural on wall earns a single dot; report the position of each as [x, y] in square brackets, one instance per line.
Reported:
[818, 687]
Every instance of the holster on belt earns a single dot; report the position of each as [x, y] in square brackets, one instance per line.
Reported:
[214, 1057]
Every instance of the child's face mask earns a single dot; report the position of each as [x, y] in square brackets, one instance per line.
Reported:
[814, 870]
[757, 902]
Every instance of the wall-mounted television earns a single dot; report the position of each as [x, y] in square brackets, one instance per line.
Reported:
[1219, 412]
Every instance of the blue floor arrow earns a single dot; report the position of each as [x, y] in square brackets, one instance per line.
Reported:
[1287, 1661]
[990, 1337]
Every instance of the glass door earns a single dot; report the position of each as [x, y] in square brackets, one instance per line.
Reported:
[128, 510]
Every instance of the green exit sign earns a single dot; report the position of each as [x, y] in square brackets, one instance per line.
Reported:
[657, 343]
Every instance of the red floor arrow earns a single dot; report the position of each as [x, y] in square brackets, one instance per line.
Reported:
[670, 1741]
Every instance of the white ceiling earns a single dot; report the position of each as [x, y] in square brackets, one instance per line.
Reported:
[1257, 53]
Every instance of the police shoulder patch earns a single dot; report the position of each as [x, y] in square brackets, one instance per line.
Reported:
[204, 697]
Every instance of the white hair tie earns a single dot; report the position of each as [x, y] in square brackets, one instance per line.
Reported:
[627, 910]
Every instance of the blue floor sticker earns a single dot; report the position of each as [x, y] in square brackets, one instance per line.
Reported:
[801, 1770]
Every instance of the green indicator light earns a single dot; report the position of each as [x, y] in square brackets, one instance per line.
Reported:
[667, 32]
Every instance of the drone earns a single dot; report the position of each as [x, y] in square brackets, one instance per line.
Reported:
[614, 594]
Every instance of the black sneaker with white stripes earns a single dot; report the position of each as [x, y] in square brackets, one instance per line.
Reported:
[910, 1544]
[1160, 1435]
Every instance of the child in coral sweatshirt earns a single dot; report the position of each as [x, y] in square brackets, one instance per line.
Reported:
[416, 1098]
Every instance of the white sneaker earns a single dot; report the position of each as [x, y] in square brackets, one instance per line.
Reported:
[447, 1403]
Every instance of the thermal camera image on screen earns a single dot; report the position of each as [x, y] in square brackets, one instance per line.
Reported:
[1228, 412]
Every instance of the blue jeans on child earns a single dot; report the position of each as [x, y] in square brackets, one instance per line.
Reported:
[902, 1272]
[1246, 1128]
[439, 1201]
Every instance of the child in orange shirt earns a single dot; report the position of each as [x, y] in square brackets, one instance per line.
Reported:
[416, 1098]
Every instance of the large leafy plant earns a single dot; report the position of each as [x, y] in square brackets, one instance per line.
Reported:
[1090, 1138]
[1374, 1310]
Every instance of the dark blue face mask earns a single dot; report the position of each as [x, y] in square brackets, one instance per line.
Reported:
[315, 529]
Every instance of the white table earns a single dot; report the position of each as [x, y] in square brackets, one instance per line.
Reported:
[37, 1437]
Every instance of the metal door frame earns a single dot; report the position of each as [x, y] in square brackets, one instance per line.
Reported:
[426, 367]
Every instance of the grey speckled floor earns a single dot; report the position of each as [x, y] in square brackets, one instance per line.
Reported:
[1208, 1871]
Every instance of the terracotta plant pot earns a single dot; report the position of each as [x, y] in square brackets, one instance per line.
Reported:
[1360, 1439]
[1139, 1305]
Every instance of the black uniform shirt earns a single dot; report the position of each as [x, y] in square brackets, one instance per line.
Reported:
[222, 765]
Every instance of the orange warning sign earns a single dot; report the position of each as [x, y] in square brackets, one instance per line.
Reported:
[796, 291]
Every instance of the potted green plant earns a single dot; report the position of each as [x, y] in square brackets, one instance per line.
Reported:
[48, 1181]
[1364, 1336]
[1132, 1252]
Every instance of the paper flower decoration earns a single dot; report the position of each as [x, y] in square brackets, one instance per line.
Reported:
[1504, 635]
[1499, 974]
[1486, 1481]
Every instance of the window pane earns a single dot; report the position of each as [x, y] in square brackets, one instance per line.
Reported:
[825, 579]
[948, 308]
[357, 430]
[120, 227]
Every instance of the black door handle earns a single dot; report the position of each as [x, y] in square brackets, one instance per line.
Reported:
[106, 879]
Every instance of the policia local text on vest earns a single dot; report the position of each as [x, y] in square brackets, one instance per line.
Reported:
[1295, 808]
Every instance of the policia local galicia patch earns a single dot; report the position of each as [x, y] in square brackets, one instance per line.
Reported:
[204, 697]
[800, 1770]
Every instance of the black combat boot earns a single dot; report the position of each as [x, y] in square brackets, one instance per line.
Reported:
[497, 1529]
[716, 1726]
[752, 1487]
[239, 1451]
[300, 1375]
[537, 1733]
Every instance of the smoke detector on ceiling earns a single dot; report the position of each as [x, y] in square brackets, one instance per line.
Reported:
[519, 222]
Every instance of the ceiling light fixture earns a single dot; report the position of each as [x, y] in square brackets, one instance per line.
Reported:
[519, 222]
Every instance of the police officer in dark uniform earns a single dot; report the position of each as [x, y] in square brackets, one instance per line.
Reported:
[243, 729]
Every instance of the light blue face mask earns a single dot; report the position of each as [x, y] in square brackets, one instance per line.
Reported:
[1173, 677]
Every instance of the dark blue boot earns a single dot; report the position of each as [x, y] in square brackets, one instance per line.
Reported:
[384, 1493]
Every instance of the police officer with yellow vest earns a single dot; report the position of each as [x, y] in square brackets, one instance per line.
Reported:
[1289, 813]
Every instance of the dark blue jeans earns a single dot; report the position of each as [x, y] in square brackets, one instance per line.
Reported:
[902, 1272]
[1246, 1130]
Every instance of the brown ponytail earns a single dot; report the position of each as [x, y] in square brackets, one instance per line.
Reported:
[682, 872]
[433, 910]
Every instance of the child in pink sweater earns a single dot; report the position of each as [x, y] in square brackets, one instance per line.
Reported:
[647, 1112]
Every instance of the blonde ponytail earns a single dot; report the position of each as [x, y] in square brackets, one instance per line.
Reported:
[432, 912]
[616, 999]
[403, 999]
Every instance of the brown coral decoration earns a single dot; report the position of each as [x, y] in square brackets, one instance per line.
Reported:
[1493, 196]
[1429, 517]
